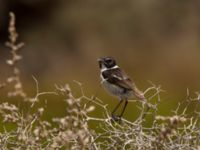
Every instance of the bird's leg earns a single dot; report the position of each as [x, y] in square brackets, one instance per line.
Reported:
[126, 102]
[115, 109]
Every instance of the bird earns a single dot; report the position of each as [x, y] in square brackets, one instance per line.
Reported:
[116, 82]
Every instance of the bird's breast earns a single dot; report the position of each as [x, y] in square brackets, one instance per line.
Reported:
[116, 90]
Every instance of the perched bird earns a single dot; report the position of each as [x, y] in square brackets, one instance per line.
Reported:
[117, 83]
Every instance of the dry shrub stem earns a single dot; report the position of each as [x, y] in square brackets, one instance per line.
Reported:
[179, 131]
[12, 62]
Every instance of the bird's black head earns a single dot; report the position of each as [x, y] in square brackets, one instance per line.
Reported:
[106, 62]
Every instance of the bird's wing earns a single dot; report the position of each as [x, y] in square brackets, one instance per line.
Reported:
[120, 78]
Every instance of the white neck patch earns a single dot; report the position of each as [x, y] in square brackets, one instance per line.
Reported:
[104, 68]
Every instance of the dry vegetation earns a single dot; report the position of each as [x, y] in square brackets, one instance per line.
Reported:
[32, 132]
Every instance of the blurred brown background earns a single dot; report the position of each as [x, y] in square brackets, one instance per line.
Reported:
[152, 40]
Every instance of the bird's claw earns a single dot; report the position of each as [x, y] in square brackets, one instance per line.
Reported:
[116, 118]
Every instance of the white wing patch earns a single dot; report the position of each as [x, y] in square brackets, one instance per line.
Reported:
[115, 76]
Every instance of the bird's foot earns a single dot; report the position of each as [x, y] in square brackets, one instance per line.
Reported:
[116, 118]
